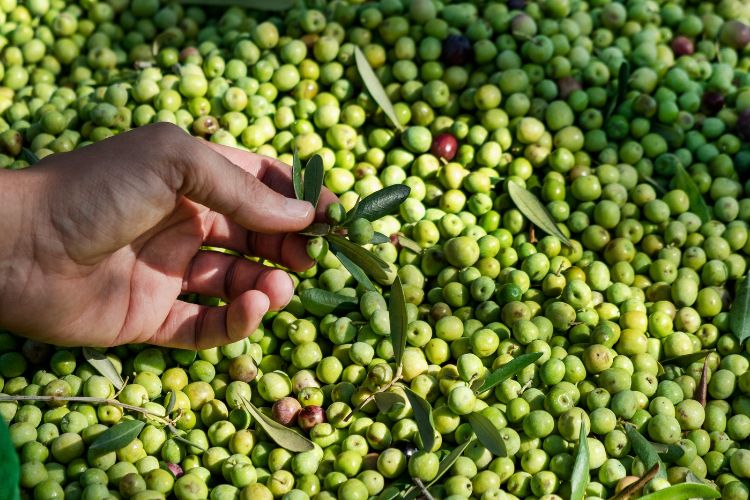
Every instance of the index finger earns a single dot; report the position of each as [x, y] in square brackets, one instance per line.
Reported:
[272, 172]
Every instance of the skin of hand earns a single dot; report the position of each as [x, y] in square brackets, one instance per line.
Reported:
[99, 243]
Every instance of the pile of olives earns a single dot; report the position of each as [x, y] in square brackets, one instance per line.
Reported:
[628, 120]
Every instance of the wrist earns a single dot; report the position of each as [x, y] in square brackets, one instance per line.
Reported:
[22, 202]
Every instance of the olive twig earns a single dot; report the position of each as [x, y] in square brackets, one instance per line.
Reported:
[371, 397]
[92, 400]
[422, 488]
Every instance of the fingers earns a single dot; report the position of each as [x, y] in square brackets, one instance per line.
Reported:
[287, 249]
[209, 178]
[274, 173]
[226, 276]
[192, 326]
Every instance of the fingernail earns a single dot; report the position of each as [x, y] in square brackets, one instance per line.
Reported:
[297, 208]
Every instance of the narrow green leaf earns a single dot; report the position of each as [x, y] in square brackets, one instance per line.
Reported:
[386, 400]
[104, 366]
[172, 400]
[508, 370]
[176, 436]
[28, 155]
[655, 184]
[321, 302]
[409, 244]
[687, 359]
[297, 176]
[739, 314]
[282, 436]
[445, 465]
[684, 491]
[356, 271]
[313, 179]
[701, 392]
[380, 203]
[375, 88]
[643, 449]
[316, 229]
[535, 211]
[379, 238]
[580, 477]
[487, 434]
[399, 320]
[623, 75]
[275, 5]
[373, 265]
[668, 452]
[698, 204]
[423, 417]
[117, 436]
[10, 465]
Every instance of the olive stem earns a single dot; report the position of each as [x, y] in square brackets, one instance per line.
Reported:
[369, 398]
[88, 399]
[422, 488]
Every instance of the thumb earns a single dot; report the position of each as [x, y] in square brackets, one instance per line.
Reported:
[209, 178]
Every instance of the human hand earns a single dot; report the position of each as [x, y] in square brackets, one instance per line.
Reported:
[105, 239]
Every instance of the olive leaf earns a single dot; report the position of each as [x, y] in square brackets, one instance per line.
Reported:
[378, 238]
[29, 156]
[508, 370]
[297, 176]
[739, 314]
[580, 476]
[655, 184]
[684, 491]
[316, 229]
[702, 389]
[445, 465]
[698, 204]
[10, 465]
[321, 302]
[408, 243]
[623, 75]
[172, 400]
[535, 211]
[632, 489]
[399, 320]
[176, 436]
[386, 400]
[382, 202]
[356, 271]
[283, 436]
[275, 5]
[313, 179]
[104, 366]
[668, 452]
[372, 264]
[644, 450]
[423, 417]
[487, 434]
[687, 359]
[375, 88]
[117, 436]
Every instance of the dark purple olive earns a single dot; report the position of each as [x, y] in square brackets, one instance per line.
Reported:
[444, 146]
[285, 411]
[682, 46]
[310, 416]
[457, 50]
[407, 447]
[743, 125]
[516, 4]
[36, 352]
[175, 469]
[712, 102]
